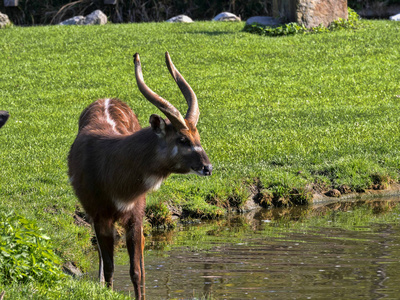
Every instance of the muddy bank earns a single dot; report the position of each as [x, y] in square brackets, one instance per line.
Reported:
[168, 214]
[392, 190]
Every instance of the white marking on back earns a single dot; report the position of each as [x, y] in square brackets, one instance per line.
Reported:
[107, 113]
[123, 206]
[153, 183]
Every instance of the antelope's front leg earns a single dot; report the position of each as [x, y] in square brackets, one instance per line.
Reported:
[135, 245]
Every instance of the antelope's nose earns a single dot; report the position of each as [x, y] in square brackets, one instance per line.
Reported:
[207, 170]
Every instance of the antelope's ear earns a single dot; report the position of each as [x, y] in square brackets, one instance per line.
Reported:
[158, 125]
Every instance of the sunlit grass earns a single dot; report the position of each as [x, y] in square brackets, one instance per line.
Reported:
[289, 111]
[68, 289]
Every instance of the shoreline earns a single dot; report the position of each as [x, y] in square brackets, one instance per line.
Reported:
[391, 191]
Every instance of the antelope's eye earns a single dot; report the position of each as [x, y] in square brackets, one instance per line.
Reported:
[183, 141]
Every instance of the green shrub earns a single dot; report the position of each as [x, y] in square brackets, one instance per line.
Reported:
[294, 28]
[26, 252]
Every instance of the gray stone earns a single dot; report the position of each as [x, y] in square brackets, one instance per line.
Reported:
[70, 269]
[96, 18]
[265, 21]
[180, 19]
[77, 20]
[4, 21]
[395, 17]
[227, 17]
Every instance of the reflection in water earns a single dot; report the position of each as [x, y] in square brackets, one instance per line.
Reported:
[341, 250]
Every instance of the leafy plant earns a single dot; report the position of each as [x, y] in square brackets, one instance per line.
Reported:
[26, 252]
[295, 28]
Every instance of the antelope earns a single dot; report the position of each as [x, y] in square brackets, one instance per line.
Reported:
[3, 117]
[113, 163]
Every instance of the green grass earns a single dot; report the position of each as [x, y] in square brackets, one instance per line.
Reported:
[289, 111]
[68, 289]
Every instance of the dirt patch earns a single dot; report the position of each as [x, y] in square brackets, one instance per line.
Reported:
[80, 218]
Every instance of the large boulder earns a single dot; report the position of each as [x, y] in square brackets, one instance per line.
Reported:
[227, 16]
[310, 13]
[95, 18]
[264, 21]
[4, 21]
[180, 19]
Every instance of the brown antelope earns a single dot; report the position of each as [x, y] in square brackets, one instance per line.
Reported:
[113, 163]
[3, 117]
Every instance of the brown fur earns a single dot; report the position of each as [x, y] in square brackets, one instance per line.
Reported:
[113, 163]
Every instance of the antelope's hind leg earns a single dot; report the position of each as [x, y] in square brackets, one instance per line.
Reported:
[105, 234]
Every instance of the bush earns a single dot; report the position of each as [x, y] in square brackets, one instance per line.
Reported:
[26, 252]
[294, 28]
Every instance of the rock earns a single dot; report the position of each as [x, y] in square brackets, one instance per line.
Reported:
[180, 19]
[264, 21]
[333, 193]
[4, 21]
[77, 20]
[395, 17]
[344, 189]
[227, 16]
[95, 18]
[70, 269]
[310, 13]
[250, 205]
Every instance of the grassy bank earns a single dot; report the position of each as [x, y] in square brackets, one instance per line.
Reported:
[284, 115]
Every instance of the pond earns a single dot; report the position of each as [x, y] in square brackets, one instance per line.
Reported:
[343, 250]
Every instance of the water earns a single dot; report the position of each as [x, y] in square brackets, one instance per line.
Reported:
[340, 251]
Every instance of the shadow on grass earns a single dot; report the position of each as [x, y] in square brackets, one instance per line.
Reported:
[211, 33]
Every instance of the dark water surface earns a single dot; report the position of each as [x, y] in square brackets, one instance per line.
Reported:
[339, 251]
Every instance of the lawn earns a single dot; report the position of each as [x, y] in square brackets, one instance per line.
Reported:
[299, 112]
